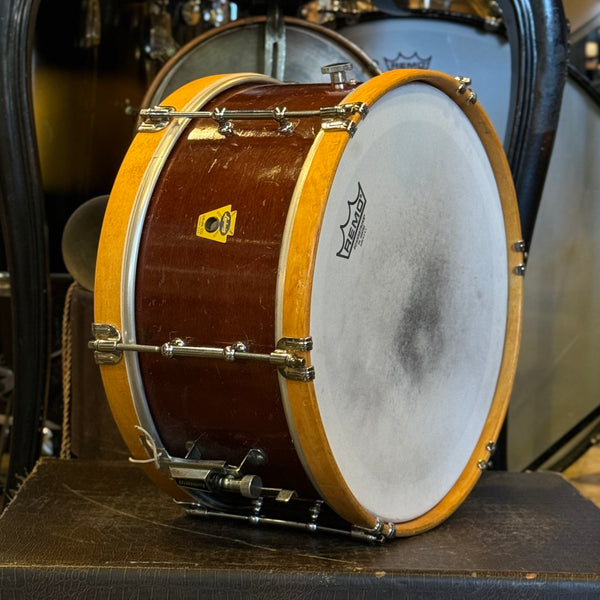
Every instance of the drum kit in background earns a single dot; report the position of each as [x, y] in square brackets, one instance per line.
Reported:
[309, 285]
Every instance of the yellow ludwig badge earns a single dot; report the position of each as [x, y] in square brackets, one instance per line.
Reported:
[217, 224]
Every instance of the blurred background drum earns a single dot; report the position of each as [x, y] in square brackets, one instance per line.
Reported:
[448, 42]
[287, 49]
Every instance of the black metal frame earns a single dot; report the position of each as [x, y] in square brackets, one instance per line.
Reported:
[22, 219]
[538, 38]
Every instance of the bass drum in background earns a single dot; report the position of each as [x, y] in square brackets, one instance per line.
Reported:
[446, 43]
[558, 380]
[248, 45]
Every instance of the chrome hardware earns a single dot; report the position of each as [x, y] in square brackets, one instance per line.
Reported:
[157, 118]
[160, 117]
[296, 344]
[214, 476]
[225, 126]
[314, 512]
[484, 464]
[464, 84]
[249, 486]
[520, 246]
[337, 73]
[285, 127]
[347, 126]
[108, 349]
[254, 518]
[108, 336]
[255, 457]
[381, 532]
[281, 495]
[344, 110]
[492, 23]
[304, 374]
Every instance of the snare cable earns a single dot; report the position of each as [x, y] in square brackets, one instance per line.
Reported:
[156, 454]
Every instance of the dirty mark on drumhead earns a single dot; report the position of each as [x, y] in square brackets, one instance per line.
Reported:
[420, 337]
[353, 230]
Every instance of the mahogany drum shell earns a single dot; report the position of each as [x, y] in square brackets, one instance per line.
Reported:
[216, 294]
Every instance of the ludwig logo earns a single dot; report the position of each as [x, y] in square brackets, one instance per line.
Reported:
[217, 224]
[414, 61]
[353, 230]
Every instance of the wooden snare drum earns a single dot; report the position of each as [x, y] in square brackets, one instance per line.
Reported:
[313, 306]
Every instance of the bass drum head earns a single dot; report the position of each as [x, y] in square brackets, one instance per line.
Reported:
[240, 47]
[409, 308]
[442, 45]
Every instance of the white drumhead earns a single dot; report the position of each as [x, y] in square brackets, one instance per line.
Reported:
[408, 318]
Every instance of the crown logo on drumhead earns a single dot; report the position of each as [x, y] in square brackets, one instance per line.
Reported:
[414, 61]
[353, 230]
[217, 224]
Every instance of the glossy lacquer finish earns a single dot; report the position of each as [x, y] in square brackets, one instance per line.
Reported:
[212, 293]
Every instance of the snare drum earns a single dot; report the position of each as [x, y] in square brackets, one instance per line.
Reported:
[294, 53]
[305, 309]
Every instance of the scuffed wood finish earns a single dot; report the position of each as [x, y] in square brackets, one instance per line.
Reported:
[209, 293]
[107, 295]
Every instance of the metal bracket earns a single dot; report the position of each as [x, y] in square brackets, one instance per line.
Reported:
[103, 332]
[381, 532]
[335, 118]
[215, 476]
[108, 350]
[521, 247]
[464, 84]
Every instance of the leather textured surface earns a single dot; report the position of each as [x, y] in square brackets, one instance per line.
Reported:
[100, 529]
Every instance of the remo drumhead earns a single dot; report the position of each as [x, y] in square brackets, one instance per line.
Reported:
[294, 53]
[443, 43]
[308, 299]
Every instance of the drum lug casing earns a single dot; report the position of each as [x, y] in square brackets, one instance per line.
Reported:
[103, 332]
